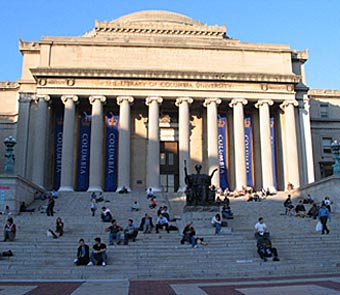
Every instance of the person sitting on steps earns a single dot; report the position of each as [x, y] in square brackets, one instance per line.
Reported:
[217, 223]
[147, 222]
[162, 223]
[189, 235]
[130, 232]
[265, 249]
[10, 230]
[261, 228]
[106, 215]
[98, 254]
[114, 232]
[83, 254]
[59, 229]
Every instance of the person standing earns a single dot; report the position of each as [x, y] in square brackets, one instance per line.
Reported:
[324, 215]
[93, 206]
[50, 206]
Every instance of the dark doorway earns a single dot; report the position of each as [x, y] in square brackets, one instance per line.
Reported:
[169, 166]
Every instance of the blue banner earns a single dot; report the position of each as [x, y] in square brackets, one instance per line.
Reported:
[111, 152]
[222, 151]
[84, 152]
[273, 142]
[58, 148]
[248, 140]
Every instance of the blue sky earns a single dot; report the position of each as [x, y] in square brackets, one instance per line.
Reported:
[312, 24]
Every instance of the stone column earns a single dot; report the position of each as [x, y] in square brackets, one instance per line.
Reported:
[124, 141]
[239, 145]
[153, 170]
[22, 134]
[184, 137]
[292, 160]
[96, 150]
[212, 136]
[39, 143]
[307, 139]
[266, 145]
[67, 163]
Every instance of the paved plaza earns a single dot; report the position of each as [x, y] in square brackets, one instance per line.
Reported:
[299, 285]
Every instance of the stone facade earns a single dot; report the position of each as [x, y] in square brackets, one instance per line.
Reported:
[167, 78]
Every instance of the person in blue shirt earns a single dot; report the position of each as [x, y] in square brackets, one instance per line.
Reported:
[324, 215]
[130, 232]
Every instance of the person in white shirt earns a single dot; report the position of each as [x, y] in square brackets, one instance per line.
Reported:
[261, 227]
[162, 222]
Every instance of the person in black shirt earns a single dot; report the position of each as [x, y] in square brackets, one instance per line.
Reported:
[83, 253]
[98, 255]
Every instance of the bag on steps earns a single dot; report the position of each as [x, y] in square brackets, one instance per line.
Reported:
[318, 226]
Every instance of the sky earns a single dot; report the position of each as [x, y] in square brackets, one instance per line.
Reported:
[302, 24]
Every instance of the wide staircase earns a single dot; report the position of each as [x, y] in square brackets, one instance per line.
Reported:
[161, 256]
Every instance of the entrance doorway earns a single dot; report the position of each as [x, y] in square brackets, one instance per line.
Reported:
[169, 166]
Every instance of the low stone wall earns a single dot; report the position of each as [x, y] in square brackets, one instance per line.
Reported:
[318, 190]
[14, 190]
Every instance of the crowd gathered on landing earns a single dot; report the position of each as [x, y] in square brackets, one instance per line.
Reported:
[124, 234]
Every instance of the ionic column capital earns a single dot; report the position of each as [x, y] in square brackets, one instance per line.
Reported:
[65, 98]
[25, 97]
[210, 100]
[39, 97]
[263, 102]
[179, 100]
[121, 99]
[236, 101]
[287, 103]
[150, 99]
[93, 98]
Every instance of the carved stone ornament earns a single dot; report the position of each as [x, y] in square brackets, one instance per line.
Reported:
[42, 82]
[70, 82]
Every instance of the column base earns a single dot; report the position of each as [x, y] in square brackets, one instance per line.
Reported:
[156, 189]
[95, 188]
[120, 188]
[66, 189]
[181, 189]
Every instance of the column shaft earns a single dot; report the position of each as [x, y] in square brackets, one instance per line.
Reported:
[96, 151]
[67, 164]
[124, 142]
[184, 137]
[266, 145]
[22, 134]
[307, 138]
[40, 132]
[153, 169]
[291, 144]
[239, 144]
[212, 135]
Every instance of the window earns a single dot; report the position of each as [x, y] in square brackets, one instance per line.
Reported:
[163, 159]
[326, 145]
[324, 110]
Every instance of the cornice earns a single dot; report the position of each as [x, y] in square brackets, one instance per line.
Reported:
[8, 85]
[329, 93]
[173, 75]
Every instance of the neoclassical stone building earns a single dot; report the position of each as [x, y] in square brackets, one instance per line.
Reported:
[133, 100]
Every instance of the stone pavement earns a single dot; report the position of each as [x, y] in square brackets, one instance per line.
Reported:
[297, 285]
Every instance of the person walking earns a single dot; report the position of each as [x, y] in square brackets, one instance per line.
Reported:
[324, 215]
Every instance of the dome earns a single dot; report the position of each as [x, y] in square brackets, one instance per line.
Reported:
[156, 16]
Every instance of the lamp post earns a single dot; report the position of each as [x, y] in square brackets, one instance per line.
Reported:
[9, 142]
[335, 147]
